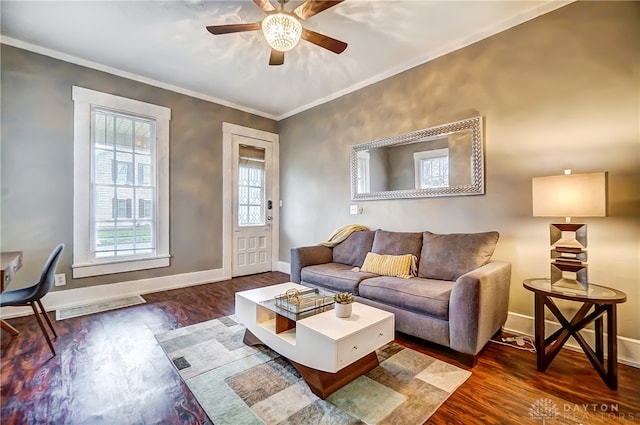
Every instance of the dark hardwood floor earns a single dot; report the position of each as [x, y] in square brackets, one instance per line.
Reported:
[110, 370]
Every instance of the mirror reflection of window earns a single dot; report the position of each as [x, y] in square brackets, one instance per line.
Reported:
[431, 168]
[363, 174]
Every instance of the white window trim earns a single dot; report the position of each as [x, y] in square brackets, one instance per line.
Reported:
[419, 156]
[83, 266]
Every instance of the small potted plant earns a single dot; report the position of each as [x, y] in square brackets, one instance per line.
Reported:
[344, 304]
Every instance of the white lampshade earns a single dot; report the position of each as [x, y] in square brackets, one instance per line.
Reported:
[572, 195]
[282, 31]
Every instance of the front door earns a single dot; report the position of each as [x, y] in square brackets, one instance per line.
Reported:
[253, 206]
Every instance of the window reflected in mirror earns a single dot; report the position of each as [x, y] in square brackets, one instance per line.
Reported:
[431, 168]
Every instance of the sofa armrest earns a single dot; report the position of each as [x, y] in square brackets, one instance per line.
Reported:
[308, 256]
[478, 306]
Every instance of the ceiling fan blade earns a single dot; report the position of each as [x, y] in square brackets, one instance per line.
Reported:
[276, 58]
[226, 29]
[312, 7]
[336, 46]
[265, 5]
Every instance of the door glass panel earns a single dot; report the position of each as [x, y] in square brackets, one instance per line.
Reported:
[251, 199]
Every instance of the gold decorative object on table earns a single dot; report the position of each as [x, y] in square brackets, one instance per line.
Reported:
[293, 297]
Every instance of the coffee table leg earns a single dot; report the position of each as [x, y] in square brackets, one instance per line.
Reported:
[323, 384]
[251, 339]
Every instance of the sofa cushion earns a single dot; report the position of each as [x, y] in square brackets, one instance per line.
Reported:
[334, 276]
[448, 257]
[390, 265]
[354, 249]
[397, 243]
[423, 296]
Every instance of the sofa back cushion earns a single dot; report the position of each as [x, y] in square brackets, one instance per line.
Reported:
[353, 250]
[397, 243]
[448, 257]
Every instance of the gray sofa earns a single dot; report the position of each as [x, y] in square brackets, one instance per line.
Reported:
[459, 298]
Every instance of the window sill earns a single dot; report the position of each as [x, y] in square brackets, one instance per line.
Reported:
[101, 268]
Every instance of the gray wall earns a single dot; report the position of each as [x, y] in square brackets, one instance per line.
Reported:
[560, 91]
[378, 170]
[37, 165]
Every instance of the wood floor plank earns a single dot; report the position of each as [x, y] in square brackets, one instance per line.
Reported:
[110, 369]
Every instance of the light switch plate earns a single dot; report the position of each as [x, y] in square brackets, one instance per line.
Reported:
[353, 209]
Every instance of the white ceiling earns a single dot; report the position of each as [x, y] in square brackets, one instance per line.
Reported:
[165, 43]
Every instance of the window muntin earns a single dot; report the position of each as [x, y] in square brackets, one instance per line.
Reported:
[123, 144]
[432, 168]
[251, 187]
[434, 172]
[251, 193]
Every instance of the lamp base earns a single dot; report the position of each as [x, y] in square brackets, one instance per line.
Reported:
[569, 276]
[570, 285]
[569, 256]
[568, 235]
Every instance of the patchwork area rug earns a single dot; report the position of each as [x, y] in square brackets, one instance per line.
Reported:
[239, 384]
[98, 307]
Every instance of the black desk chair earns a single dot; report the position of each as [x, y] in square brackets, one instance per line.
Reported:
[32, 295]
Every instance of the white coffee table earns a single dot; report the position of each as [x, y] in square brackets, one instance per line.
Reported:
[329, 352]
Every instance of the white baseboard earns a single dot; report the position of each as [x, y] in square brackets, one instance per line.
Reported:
[79, 296]
[628, 349]
[284, 267]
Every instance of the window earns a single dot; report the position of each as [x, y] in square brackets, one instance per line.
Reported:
[144, 174]
[431, 168]
[144, 208]
[121, 172]
[251, 197]
[121, 208]
[121, 184]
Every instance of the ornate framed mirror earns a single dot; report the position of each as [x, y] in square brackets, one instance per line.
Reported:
[446, 160]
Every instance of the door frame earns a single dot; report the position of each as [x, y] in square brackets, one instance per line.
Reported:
[228, 131]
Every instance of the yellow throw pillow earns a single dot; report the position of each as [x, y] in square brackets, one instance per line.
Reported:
[390, 265]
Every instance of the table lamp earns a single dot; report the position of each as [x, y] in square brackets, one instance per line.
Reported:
[569, 195]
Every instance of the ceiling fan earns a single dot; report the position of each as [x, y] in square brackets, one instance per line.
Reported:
[283, 29]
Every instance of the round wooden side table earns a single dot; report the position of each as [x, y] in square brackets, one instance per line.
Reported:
[603, 301]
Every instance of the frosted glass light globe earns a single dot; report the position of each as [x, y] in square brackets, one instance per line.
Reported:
[282, 31]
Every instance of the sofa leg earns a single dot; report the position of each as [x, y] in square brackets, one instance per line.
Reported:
[467, 359]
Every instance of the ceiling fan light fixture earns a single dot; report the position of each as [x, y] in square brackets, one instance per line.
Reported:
[282, 31]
